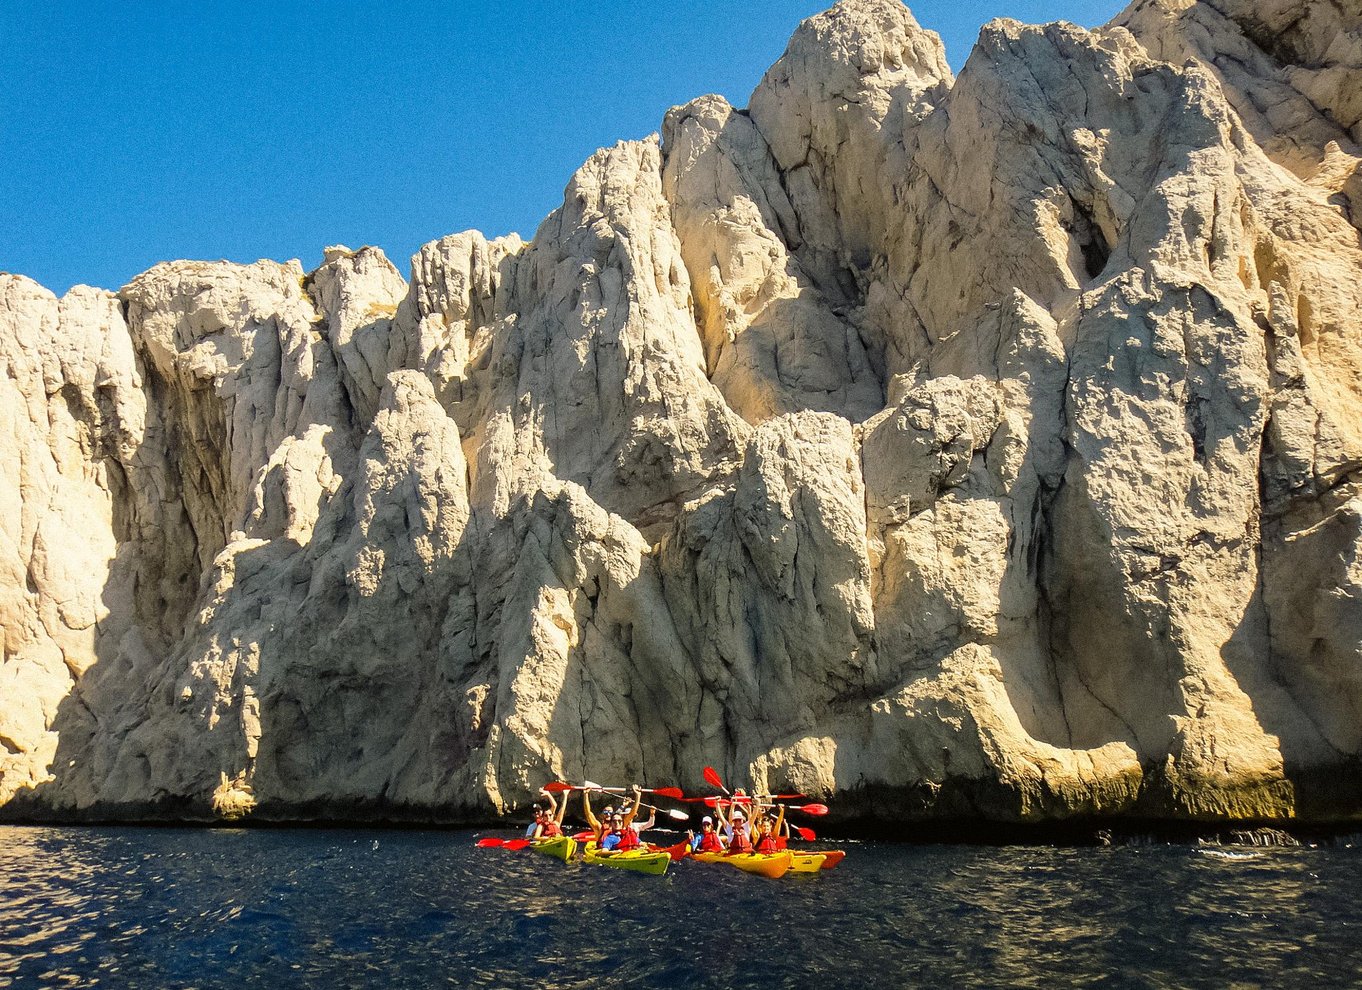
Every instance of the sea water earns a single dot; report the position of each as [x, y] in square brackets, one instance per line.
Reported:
[171, 907]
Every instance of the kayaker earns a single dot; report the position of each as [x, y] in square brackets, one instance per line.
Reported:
[601, 826]
[641, 827]
[708, 840]
[611, 821]
[549, 824]
[767, 832]
[728, 818]
[625, 836]
[622, 831]
[739, 841]
[533, 830]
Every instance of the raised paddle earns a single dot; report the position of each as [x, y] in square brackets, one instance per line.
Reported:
[558, 787]
[674, 814]
[808, 809]
[806, 834]
[675, 793]
[713, 779]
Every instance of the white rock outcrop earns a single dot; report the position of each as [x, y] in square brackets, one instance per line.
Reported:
[980, 448]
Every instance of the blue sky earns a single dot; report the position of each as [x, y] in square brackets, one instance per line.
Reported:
[250, 130]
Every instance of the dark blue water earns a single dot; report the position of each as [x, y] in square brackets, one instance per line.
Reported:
[122, 907]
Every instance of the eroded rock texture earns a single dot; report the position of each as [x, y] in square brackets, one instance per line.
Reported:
[984, 447]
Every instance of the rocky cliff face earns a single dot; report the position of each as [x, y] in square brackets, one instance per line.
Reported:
[980, 448]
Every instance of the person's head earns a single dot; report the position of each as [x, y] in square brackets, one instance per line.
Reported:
[539, 812]
[617, 821]
[707, 823]
[738, 817]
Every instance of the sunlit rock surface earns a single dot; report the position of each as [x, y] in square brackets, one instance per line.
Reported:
[956, 448]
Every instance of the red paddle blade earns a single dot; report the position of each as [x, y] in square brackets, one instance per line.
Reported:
[675, 793]
[557, 787]
[584, 836]
[807, 834]
[712, 802]
[811, 809]
[489, 843]
[517, 843]
[713, 779]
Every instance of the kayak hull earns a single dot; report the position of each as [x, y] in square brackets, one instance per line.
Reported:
[831, 857]
[562, 847]
[806, 862]
[679, 851]
[770, 865]
[639, 861]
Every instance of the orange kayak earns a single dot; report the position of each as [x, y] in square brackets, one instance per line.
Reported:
[831, 857]
[676, 852]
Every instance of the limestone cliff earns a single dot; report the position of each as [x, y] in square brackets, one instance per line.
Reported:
[984, 447]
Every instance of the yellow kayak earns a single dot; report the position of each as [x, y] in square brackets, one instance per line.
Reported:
[562, 847]
[806, 862]
[772, 865]
[638, 860]
[831, 857]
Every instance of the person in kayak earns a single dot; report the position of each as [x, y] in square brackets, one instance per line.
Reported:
[601, 826]
[739, 841]
[549, 821]
[534, 823]
[708, 840]
[641, 827]
[767, 831]
[612, 821]
[623, 833]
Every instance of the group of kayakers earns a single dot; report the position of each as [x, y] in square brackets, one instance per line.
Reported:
[751, 825]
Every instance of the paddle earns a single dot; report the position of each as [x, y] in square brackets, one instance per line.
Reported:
[558, 787]
[806, 834]
[674, 793]
[672, 813]
[808, 809]
[713, 779]
[514, 844]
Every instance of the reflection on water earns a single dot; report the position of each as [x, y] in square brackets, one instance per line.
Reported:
[193, 908]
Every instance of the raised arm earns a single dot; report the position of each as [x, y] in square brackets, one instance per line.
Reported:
[586, 808]
[560, 810]
[638, 800]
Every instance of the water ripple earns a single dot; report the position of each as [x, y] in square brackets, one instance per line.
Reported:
[197, 908]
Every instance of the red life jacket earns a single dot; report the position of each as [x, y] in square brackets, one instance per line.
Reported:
[628, 840]
[550, 830]
[740, 843]
[768, 844]
[709, 843]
